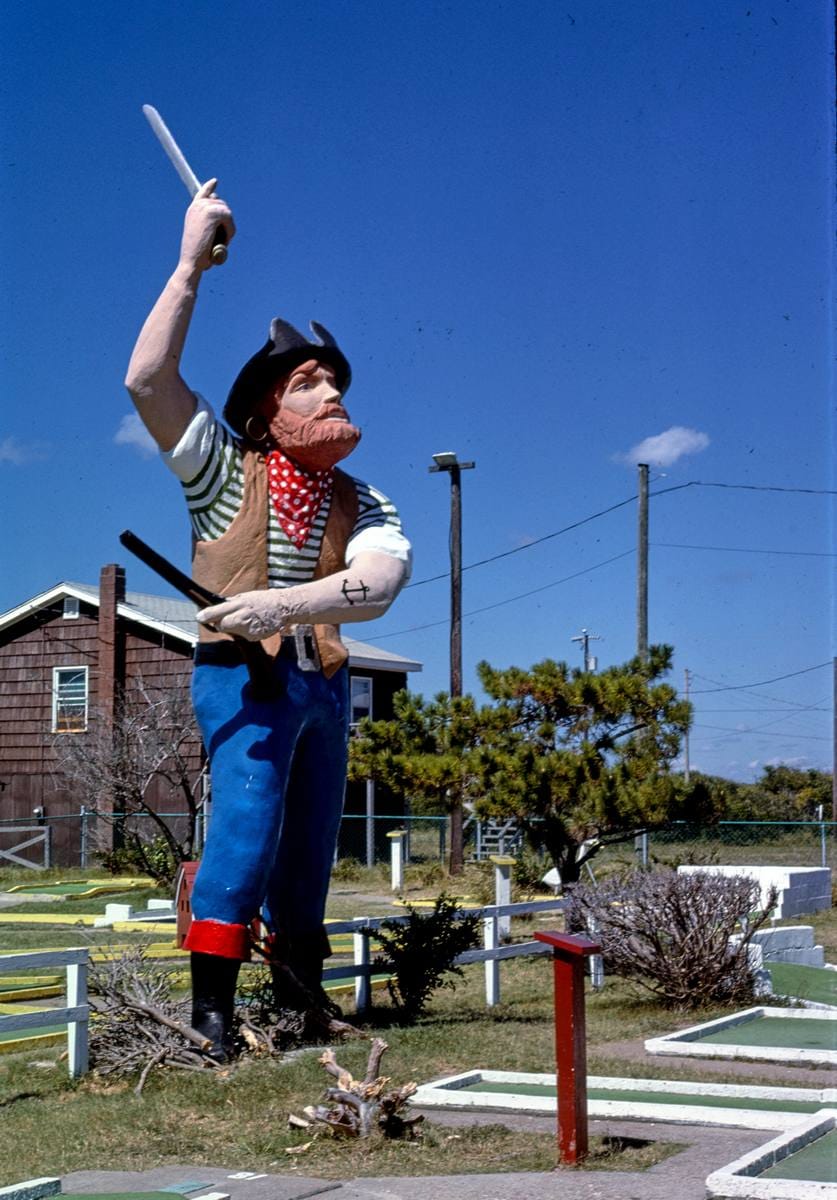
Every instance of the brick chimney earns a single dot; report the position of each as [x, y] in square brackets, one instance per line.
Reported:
[111, 641]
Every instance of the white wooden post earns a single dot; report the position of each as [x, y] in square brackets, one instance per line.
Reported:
[492, 965]
[397, 859]
[363, 983]
[597, 974]
[77, 1030]
[502, 889]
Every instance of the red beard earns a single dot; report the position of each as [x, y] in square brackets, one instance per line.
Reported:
[316, 443]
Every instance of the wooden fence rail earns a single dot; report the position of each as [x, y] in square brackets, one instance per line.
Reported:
[363, 930]
[75, 1015]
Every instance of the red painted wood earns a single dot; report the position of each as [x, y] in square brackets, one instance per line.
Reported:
[568, 954]
[568, 943]
[183, 899]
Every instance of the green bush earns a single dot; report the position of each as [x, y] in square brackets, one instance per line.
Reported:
[420, 950]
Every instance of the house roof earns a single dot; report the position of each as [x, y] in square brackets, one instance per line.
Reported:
[176, 618]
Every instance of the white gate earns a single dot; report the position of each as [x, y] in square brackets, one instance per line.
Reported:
[41, 836]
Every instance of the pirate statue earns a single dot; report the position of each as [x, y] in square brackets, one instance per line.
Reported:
[297, 546]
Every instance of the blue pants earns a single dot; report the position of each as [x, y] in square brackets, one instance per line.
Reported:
[278, 782]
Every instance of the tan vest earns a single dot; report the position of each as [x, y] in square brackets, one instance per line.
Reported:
[237, 561]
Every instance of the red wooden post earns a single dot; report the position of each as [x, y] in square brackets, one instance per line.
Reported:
[568, 954]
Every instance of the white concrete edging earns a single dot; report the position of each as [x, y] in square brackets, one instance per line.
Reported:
[740, 1178]
[449, 1093]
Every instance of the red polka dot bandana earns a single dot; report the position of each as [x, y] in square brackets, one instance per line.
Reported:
[296, 495]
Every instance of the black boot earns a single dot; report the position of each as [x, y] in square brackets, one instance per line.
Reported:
[297, 972]
[213, 1000]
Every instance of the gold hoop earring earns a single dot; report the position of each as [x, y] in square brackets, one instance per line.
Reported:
[262, 437]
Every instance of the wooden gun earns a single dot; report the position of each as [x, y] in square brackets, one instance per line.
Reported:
[263, 682]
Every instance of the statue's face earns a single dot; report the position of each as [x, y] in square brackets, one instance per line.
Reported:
[306, 417]
[309, 388]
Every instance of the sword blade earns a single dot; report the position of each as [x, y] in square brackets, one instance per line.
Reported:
[171, 148]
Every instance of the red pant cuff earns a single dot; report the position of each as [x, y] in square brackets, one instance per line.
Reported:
[220, 938]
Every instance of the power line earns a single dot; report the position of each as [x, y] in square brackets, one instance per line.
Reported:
[535, 542]
[807, 709]
[737, 687]
[755, 695]
[763, 487]
[677, 487]
[749, 550]
[805, 737]
[510, 600]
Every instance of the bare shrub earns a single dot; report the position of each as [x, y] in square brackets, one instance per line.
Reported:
[671, 933]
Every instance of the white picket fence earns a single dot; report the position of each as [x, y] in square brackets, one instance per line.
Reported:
[75, 1015]
[492, 954]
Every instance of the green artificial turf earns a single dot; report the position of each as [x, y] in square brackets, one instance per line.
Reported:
[116, 1196]
[804, 983]
[794, 1033]
[648, 1097]
[816, 1162]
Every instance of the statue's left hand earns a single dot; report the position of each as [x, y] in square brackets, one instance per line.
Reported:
[252, 615]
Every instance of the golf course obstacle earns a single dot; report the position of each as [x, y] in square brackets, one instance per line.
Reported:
[74, 889]
[568, 954]
[789, 1035]
[799, 1163]
[75, 1015]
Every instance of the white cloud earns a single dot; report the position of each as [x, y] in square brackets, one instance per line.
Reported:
[132, 432]
[664, 449]
[19, 454]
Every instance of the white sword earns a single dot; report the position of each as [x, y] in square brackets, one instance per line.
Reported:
[190, 179]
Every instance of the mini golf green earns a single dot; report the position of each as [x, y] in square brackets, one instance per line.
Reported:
[816, 1162]
[788, 1032]
[648, 1097]
[804, 983]
[116, 1196]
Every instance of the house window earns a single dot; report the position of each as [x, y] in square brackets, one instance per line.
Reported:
[361, 699]
[71, 608]
[69, 699]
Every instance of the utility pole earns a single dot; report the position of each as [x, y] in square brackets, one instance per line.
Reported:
[586, 638]
[642, 565]
[447, 461]
[686, 739]
[834, 754]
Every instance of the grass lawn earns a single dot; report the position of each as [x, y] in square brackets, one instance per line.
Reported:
[97, 1124]
[52, 1126]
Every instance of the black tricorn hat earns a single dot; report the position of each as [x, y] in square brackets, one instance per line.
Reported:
[284, 349]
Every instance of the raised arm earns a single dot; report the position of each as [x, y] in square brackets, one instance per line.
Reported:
[162, 398]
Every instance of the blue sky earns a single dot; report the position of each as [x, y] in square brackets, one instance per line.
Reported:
[543, 233]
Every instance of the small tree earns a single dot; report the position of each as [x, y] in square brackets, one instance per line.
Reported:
[151, 741]
[426, 751]
[578, 759]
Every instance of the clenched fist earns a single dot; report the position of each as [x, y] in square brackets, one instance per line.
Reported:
[203, 217]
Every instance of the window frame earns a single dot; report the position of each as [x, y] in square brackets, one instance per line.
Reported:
[56, 697]
[367, 679]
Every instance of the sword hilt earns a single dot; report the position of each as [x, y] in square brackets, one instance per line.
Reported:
[219, 247]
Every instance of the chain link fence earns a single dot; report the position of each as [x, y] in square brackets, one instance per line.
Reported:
[78, 839]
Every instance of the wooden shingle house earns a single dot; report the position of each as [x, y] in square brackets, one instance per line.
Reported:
[66, 657]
